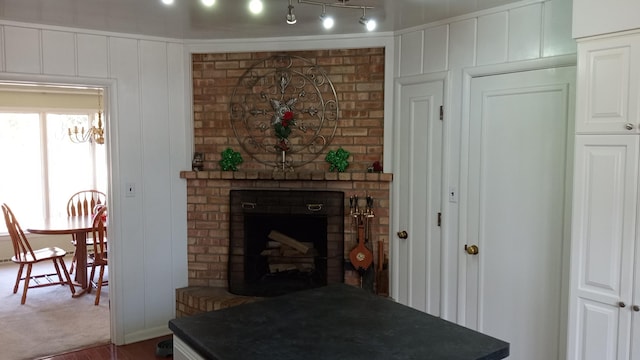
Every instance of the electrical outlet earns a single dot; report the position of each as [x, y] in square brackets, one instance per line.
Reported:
[130, 190]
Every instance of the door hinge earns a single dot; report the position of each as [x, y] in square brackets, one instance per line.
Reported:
[439, 219]
[441, 112]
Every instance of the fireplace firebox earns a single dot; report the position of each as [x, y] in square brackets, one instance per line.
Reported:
[283, 241]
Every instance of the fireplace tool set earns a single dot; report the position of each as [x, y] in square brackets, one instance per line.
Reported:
[361, 256]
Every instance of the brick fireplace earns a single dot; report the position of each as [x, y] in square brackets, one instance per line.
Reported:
[358, 76]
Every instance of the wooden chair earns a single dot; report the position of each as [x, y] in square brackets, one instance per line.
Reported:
[82, 203]
[100, 252]
[23, 254]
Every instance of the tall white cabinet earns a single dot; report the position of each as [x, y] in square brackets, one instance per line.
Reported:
[604, 304]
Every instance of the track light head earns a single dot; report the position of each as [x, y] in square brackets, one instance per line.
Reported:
[327, 21]
[255, 6]
[291, 17]
[370, 24]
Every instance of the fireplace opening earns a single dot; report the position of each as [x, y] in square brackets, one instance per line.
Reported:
[283, 241]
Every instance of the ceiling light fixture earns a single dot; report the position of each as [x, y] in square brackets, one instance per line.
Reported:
[291, 17]
[94, 133]
[167, 2]
[370, 24]
[327, 21]
[255, 6]
[208, 3]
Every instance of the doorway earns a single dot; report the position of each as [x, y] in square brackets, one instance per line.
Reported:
[64, 106]
[515, 208]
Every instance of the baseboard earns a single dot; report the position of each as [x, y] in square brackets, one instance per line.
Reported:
[147, 334]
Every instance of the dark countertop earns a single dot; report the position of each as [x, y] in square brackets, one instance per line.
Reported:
[331, 322]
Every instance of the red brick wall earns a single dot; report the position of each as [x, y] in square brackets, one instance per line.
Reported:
[358, 76]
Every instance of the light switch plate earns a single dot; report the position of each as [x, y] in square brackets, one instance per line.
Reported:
[130, 190]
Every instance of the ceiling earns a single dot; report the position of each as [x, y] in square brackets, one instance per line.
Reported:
[228, 19]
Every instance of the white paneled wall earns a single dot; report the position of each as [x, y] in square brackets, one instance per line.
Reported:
[58, 53]
[149, 138]
[525, 33]
[557, 28]
[435, 39]
[92, 55]
[494, 27]
[499, 37]
[22, 50]
[505, 34]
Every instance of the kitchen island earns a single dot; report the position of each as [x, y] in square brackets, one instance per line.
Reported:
[331, 322]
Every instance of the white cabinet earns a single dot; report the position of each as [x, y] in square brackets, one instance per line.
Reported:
[604, 297]
[602, 250]
[182, 351]
[594, 17]
[608, 95]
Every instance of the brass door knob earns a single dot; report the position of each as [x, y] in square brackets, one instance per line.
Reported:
[471, 250]
[403, 234]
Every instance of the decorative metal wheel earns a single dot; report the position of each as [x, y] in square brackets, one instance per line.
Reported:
[284, 111]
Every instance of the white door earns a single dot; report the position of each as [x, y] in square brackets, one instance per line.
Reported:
[416, 275]
[516, 209]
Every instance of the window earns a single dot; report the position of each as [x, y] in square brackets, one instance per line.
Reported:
[41, 167]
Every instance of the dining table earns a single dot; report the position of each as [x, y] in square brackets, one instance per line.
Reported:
[78, 225]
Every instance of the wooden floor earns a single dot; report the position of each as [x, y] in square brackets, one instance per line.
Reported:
[136, 351]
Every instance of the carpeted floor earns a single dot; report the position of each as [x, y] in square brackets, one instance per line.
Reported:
[51, 321]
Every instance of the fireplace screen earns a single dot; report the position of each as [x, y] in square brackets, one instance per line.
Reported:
[285, 240]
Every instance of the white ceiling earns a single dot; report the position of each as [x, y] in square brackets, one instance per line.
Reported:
[188, 19]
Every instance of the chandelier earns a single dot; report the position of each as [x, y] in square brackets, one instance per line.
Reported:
[93, 133]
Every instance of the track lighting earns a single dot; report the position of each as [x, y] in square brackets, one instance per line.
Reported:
[291, 17]
[256, 7]
[328, 22]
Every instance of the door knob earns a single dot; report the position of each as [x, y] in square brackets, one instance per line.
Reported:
[628, 126]
[471, 250]
[636, 308]
[403, 234]
[622, 304]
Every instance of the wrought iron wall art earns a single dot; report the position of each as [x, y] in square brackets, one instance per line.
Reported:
[284, 111]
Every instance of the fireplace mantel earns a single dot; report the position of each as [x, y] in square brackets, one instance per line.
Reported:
[284, 176]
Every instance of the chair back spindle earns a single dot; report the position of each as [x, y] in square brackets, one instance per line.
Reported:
[99, 233]
[83, 202]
